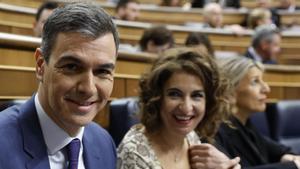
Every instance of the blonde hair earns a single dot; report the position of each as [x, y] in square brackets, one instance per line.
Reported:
[236, 67]
[256, 15]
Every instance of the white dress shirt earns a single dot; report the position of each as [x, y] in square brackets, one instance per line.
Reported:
[56, 140]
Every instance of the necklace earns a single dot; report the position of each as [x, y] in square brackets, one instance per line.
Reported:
[162, 144]
[178, 155]
[176, 158]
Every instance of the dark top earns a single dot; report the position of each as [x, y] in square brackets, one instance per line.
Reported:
[249, 55]
[253, 149]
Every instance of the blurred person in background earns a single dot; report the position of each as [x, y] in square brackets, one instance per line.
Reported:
[44, 11]
[201, 41]
[267, 5]
[265, 45]
[288, 5]
[128, 10]
[258, 17]
[156, 40]
[213, 18]
[223, 3]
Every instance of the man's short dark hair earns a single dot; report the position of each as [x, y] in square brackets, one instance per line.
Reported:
[87, 19]
[123, 3]
[46, 5]
[159, 35]
[197, 38]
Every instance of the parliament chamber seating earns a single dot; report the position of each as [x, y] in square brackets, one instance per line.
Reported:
[7, 103]
[261, 123]
[280, 123]
[17, 56]
[18, 20]
[285, 123]
[123, 114]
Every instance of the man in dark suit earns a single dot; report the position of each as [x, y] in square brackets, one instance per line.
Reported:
[74, 67]
[265, 45]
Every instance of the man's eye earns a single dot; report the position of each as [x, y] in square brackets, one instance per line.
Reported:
[103, 72]
[70, 68]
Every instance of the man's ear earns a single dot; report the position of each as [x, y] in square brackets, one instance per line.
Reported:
[40, 64]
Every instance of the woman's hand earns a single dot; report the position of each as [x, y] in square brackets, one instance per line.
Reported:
[291, 157]
[206, 156]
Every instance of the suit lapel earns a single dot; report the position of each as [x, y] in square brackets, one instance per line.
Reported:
[34, 144]
[91, 153]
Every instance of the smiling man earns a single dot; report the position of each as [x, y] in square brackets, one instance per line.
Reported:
[74, 67]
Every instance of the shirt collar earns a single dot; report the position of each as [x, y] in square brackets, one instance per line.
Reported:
[256, 56]
[55, 137]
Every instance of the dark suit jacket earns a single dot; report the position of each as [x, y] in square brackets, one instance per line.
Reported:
[255, 151]
[250, 56]
[22, 145]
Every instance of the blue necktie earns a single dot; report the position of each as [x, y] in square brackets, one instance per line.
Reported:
[73, 153]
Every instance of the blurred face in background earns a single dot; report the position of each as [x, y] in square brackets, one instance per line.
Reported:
[263, 3]
[286, 3]
[38, 25]
[271, 48]
[214, 17]
[130, 12]
[153, 48]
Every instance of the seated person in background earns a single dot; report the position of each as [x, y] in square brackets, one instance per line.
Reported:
[259, 16]
[172, 3]
[239, 138]
[44, 11]
[201, 41]
[213, 18]
[223, 3]
[267, 5]
[128, 10]
[181, 99]
[288, 5]
[74, 70]
[265, 45]
[156, 39]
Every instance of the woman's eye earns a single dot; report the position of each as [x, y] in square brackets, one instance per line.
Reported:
[198, 95]
[254, 82]
[174, 94]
